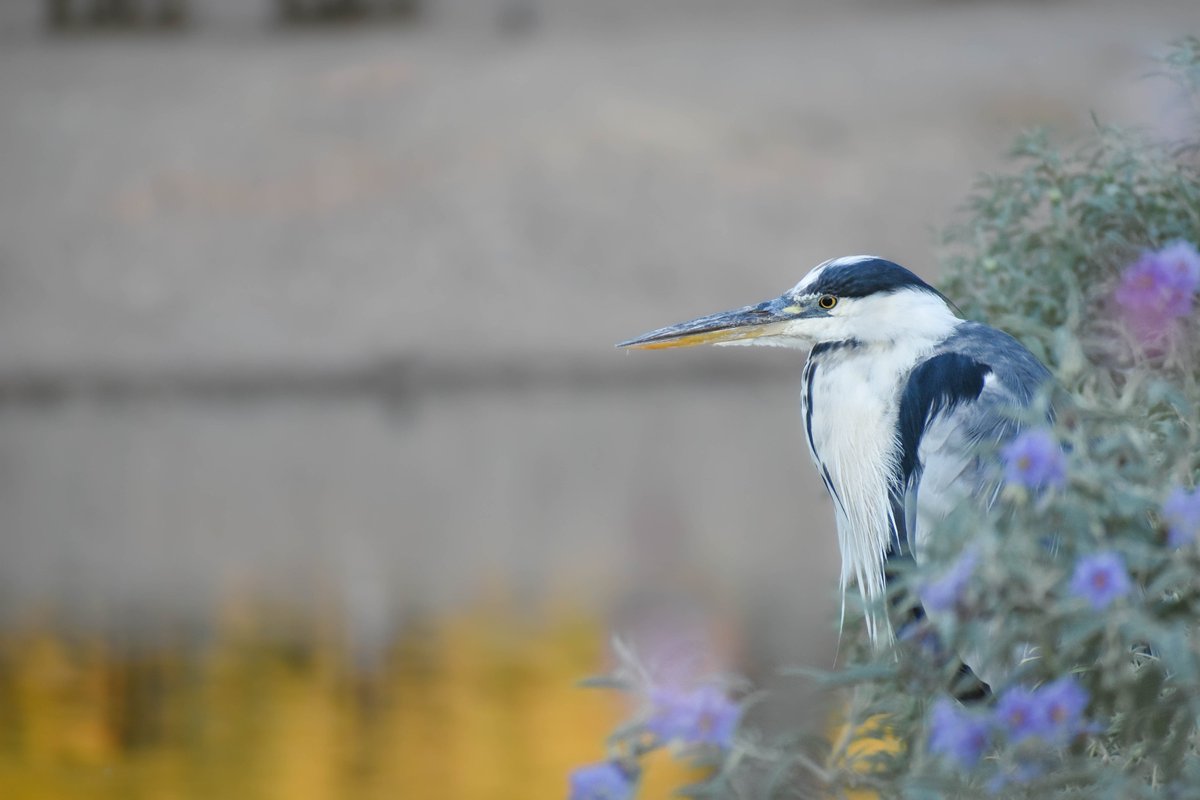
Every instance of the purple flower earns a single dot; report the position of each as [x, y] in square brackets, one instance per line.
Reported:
[1181, 512]
[1161, 283]
[700, 716]
[1182, 264]
[1158, 288]
[1035, 460]
[1062, 703]
[604, 781]
[1019, 714]
[945, 593]
[957, 734]
[1100, 579]
[1052, 712]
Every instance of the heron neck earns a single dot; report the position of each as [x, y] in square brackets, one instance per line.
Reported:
[850, 408]
[905, 321]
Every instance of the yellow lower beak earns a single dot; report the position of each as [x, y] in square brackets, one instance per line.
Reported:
[750, 322]
[691, 339]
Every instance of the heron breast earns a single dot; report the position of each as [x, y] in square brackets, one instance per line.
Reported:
[850, 420]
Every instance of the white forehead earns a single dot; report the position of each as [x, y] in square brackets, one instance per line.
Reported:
[814, 274]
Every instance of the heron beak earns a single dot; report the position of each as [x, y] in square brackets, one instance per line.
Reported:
[740, 324]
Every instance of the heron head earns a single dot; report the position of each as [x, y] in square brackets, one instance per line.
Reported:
[860, 298]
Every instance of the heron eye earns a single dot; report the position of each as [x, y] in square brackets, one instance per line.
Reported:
[827, 301]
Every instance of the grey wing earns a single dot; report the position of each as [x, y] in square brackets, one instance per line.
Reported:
[962, 396]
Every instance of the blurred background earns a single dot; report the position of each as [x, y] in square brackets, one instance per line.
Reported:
[319, 474]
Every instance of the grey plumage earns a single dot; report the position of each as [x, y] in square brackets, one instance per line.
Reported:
[989, 377]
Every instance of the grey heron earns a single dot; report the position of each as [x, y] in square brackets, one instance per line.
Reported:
[898, 393]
